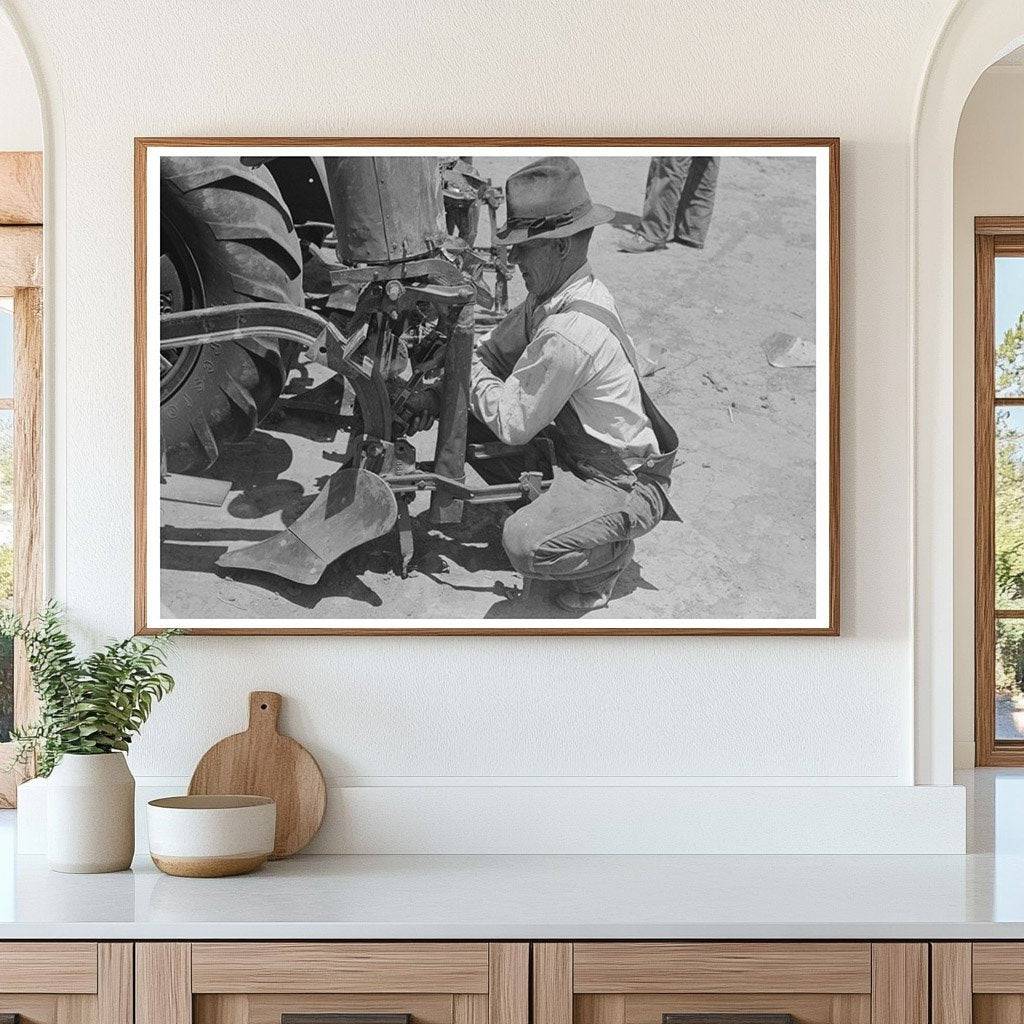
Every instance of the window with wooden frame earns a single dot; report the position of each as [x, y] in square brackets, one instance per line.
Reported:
[21, 365]
[999, 490]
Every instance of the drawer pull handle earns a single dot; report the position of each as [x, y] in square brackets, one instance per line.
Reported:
[341, 1018]
[728, 1018]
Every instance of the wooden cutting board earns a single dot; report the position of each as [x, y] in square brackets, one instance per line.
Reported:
[262, 762]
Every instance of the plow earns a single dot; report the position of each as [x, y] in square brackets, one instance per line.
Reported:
[342, 261]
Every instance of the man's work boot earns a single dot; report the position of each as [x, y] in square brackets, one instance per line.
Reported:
[630, 242]
[588, 600]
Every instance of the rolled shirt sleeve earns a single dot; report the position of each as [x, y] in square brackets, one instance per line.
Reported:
[501, 348]
[542, 380]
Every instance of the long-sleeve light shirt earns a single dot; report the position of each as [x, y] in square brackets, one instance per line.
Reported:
[540, 357]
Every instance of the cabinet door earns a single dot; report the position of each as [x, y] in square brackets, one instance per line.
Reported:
[980, 982]
[66, 982]
[303, 982]
[748, 982]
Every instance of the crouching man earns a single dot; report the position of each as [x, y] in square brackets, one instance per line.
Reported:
[560, 366]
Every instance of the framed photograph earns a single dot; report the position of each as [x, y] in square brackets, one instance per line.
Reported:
[487, 386]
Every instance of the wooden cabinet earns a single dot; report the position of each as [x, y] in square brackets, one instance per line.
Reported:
[815, 982]
[66, 982]
[496, 983]
[259, 982]
[979, 982]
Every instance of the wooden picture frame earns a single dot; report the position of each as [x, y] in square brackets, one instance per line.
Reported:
[825, 622]
[21, 264]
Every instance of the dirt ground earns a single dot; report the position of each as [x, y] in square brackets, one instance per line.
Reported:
[743, 483]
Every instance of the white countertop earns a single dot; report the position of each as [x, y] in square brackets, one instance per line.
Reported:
[978, 896]
[531, 897]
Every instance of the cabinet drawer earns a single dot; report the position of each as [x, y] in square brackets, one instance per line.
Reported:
[980, 982]
[630, 967]
[749, 982]
[998, 967]
[260, 982]
[48, 967]
[66, 982]
[340, 967]
[269, 1009]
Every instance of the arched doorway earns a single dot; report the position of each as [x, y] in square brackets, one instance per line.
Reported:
[976, 34]
[21, 215]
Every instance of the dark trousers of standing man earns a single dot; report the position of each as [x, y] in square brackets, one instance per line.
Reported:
[679, 200]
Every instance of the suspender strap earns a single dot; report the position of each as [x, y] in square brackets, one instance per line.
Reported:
[658, 468]
[668, 441]
[611, 321]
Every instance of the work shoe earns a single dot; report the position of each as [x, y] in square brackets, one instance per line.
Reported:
[638, 243]
[587, 600]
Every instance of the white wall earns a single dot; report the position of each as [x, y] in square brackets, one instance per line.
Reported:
[488, 712]
[988, 181]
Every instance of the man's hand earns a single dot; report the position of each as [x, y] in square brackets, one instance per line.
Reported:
[422, 409]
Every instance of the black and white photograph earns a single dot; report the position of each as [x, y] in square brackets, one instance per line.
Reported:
[456, 386]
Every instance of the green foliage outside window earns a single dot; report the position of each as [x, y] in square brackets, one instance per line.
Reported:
[1009, 510]
[6, 574]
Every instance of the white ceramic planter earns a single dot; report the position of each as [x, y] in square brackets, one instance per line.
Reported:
[90, 814]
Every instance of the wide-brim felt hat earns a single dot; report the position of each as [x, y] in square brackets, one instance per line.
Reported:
[549, 199]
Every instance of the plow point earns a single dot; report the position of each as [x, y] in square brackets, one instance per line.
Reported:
[356, 506]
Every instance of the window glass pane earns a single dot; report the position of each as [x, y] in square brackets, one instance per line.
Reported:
[1009, 326]
[6, 566]
[1009, 679]
[1009, 533]
[6, 348]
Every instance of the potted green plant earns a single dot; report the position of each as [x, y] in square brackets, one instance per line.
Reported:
[89, 710]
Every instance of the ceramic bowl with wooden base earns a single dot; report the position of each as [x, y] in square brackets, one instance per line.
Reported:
[211, 836]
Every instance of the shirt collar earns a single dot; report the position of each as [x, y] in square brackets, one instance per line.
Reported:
[564, 295]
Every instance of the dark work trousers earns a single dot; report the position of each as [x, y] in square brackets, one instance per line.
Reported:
[462, 219]
[579, 532]
[679, 200]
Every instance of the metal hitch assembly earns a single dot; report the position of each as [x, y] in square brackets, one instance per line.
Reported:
[366, 498]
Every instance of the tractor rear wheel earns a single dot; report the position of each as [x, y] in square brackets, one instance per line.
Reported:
[226, 237]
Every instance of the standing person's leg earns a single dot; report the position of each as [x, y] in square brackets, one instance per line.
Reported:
[666, 179]
[693, 217]
[462, 219]
[580, 534]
